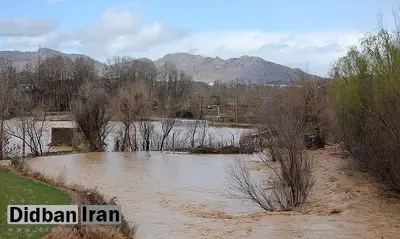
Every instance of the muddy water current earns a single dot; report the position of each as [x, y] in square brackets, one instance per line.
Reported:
[186, 196]
[179, 196]
[160, 192]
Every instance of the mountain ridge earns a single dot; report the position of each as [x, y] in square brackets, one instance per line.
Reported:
[244, 69]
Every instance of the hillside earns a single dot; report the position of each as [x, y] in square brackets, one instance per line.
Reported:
[21, 59]
[245, 69]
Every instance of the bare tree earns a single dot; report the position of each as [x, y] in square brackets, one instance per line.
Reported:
[83, 69]
[203, 132]
[51, 81]
[167, 124]
[133, 80]
[29, 128]
[314, 103]
[219, 95]
[146, 129]
[174, 90]
[8, 83]
[174, 87]
[192, 130]
[89, 111]
[295, 166]
[126, 70]
[284, 125]
[132, 101]
[242, 182]
[293, 178]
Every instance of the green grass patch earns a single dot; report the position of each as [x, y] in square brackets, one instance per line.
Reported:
[18, 190]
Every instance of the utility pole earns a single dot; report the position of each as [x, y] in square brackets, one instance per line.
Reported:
[237, 100]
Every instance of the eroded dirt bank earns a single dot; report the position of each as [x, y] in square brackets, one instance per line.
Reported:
[181, 196]
[344, 203]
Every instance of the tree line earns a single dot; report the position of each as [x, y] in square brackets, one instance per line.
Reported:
[129, 89]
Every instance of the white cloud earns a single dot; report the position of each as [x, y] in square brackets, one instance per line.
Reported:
[315, 50]
[122, 33]
[51, 40]
[16, 27]
[119, 22]
[116, 33]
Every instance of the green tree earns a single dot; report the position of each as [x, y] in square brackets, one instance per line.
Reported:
[366, 84]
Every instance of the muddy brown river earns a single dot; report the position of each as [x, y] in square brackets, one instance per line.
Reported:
[157, 191]
[185, 196]
[182, 196]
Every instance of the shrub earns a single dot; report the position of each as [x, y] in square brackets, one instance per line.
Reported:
[283, 131]
[367, 90]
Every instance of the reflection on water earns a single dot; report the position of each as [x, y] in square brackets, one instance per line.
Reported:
[184, 196]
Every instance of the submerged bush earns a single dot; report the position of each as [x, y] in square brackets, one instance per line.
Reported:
[90, 112]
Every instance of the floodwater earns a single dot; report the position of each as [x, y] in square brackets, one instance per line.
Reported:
[183, 196]
[180, 133]
[187, 196]
[163, 193]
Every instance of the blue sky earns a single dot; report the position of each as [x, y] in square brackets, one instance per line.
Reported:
[308, 34]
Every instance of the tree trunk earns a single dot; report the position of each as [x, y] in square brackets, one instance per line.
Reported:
[148, 143]
[162, 143]
[126, 140]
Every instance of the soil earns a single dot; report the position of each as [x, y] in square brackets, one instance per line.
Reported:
[342, 193]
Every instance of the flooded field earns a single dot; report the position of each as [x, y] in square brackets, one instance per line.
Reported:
[185, 196]
[180, 132]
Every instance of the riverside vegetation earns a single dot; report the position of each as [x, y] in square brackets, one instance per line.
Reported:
[39, 189]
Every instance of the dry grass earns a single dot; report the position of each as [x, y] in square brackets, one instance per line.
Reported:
[88, 232]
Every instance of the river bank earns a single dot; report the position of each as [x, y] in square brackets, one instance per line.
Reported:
[344, 203]
[20, 190]
[27, 186]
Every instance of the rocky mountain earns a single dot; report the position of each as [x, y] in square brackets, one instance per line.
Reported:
[245, 69]
[21, 59]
